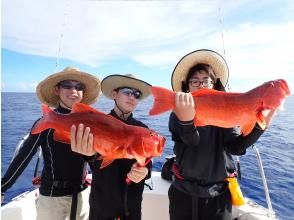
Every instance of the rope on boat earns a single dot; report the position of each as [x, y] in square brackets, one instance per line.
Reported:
[61, 37]
[223, 39]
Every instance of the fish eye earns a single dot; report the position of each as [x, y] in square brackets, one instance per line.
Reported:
[151, 134]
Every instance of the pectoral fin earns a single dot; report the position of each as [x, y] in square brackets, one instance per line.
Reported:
[141, 160]
[260, 120]
[105, 161]
[62, 136]
[246, 129]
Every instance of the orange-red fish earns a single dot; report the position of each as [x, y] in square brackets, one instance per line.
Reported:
[226, 109]
[113, 139]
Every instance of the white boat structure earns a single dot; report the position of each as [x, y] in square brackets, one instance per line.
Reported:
[155, 201]
[154, 207]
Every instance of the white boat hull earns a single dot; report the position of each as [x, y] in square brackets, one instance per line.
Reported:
[154, 207]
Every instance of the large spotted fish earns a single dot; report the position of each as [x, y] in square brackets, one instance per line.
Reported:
[113, 139]
[227, 109]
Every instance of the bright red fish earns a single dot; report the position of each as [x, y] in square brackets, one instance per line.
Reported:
[113, 139]
[226, 109]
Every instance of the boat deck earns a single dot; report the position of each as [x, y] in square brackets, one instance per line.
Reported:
[154, 207]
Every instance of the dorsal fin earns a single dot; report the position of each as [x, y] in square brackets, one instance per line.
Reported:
[80, 107]
[46, 109]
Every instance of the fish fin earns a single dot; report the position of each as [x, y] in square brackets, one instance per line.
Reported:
[106, 161]
[141, 160]
[62, 136]
[80, 107]
[198, 123]
[44, 122]
[260, 120]
[163, 100]
[246, 129]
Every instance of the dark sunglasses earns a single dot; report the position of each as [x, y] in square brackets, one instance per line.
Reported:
[130, 91]
[69, 85]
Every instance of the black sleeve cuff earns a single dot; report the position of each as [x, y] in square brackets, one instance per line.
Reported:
[186, 122]
[90, 159]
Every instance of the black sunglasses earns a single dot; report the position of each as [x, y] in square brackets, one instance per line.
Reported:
[130, 91]
[69, 85]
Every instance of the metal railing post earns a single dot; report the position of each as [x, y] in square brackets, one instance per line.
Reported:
[266, 191]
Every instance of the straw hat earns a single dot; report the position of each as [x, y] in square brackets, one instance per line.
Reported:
[112, 82]
[45, 89]
[215, 60]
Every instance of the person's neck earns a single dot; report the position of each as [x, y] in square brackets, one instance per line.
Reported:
[64, 106]
[121, 114]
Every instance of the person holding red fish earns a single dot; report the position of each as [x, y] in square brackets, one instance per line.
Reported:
[62, 189]
[112, 197]
[203, 153]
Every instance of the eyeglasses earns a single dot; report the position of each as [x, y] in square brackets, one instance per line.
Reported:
[130, 91]
[69, 85]
[198, 83]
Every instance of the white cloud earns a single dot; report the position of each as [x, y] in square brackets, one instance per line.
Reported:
[26, 87]
[152, 33]
[261, 50]
[94, 31]
[3, 86]
[23, 86]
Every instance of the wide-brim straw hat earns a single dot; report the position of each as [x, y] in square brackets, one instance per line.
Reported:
[115, 81]
[204, 56]
[45, 89]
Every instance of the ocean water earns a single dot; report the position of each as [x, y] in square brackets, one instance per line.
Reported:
[276, 146]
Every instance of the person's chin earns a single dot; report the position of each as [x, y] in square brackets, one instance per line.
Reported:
[130, 109]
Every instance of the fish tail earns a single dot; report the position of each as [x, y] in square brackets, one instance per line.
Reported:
[163, 100]
[44, 122]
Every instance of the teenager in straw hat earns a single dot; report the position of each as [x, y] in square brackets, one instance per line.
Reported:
[62, 184]
[203, 154]
[111, 197]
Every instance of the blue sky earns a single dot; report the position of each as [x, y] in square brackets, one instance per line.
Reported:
[146, 38]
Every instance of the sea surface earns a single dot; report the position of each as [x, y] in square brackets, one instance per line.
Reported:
[276, 146]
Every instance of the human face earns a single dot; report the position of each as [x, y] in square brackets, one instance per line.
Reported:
[127, 98]
[200, 80]
[69, 92]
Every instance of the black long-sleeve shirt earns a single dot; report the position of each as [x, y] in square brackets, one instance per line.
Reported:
[109, 185]
[204, 154]
[60, 163]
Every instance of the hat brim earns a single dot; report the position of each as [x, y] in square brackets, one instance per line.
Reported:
[215, 60]
[46, 88]
[113, 82]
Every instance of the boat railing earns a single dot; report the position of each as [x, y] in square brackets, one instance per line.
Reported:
[265, 187]
[19, 145]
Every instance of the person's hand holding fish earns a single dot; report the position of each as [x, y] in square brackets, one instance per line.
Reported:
[184, 106]
[82, 140]
[137, 173]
